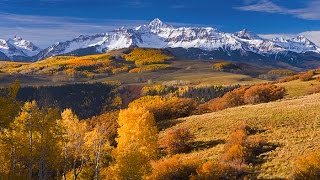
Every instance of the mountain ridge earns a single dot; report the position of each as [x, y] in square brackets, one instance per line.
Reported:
[158, 34]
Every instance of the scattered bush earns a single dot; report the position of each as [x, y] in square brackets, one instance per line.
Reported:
[176, 141]
[173, 168]
[307, 167]
[241, 148]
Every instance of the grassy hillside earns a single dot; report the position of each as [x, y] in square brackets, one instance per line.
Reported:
[289, 126]
[128, 68]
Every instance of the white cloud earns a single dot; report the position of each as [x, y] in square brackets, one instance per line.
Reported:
[309, 12]
[313, 36]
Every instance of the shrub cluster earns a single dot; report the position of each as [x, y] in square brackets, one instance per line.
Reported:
[305, 76]
[255, 94]
[166, 107]
[176, 141]
[239, 151]
[173, 168]
[215, 170]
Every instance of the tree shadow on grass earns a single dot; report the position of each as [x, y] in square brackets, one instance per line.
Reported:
[258, 154]
[201, 145]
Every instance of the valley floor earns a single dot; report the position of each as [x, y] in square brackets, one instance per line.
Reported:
[291, 128]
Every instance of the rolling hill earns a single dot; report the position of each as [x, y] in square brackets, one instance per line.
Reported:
[289, 126]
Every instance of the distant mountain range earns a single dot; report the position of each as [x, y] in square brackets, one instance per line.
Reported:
[188, 42]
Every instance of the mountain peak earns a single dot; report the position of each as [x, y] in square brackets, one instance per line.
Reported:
[246, 34]
[156, 24]
[156, 21]
[302, 39]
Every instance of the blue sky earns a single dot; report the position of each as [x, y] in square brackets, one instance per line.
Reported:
[47, 21]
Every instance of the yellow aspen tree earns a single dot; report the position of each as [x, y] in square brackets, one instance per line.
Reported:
[97, 143]
[73, 142]
[137, 143]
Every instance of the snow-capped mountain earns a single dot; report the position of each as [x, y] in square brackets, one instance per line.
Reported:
[156, 34]
[17, 49]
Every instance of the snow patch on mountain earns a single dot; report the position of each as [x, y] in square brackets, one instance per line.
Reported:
[158, 34]
[17, 46]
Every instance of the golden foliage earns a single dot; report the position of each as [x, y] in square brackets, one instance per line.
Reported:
[69, 65]
[150, 68]
[142, 56]
[109, 121]
[307, 167]
[9, 105]
[165, 107]
[137, 144]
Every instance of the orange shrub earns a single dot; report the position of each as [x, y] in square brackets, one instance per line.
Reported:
[306, 76]
[263, 93]
[230, 99]
[176, 141]
[313, 90]
[245, 95]
[241, 147]
[173, 168]
[213, 170]
[307, 167]
[236, 149]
